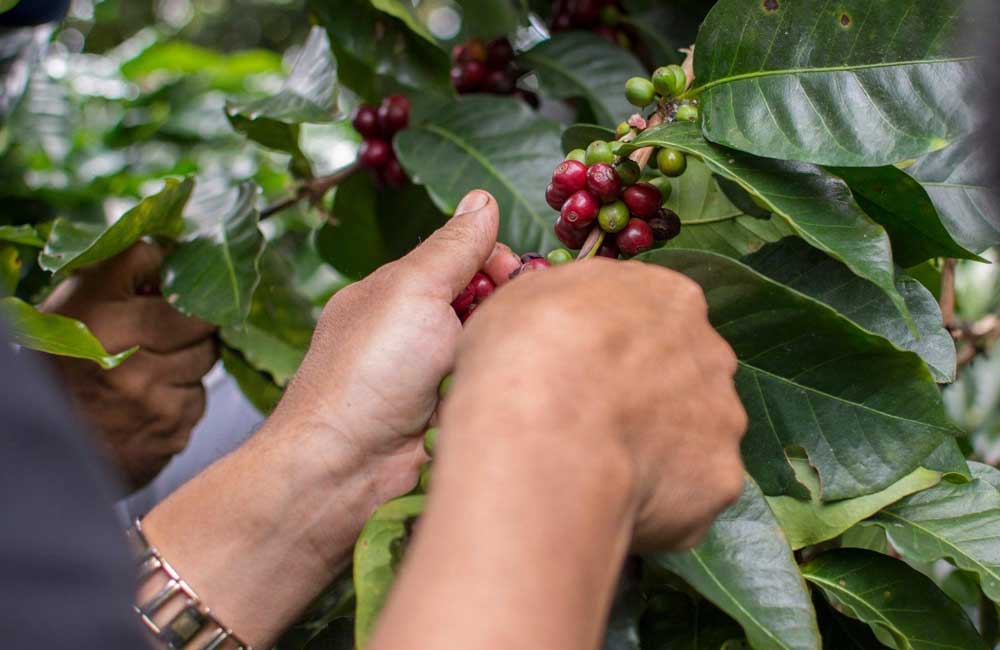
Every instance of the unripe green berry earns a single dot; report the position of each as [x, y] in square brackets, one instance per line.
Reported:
[444, 386]
[610, 15]
[664, 185]
[578, 155]
[623, 129]
[425, 478]
[628, 170]
[599, 151]
[639, 91]
[669, 80]
[430, 441]
[687, 113]
[613, 217]
[559, 256]
[671, 162]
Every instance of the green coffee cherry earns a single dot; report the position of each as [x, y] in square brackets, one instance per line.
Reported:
[613, 216]
[610, 16]
[430, 441]
[599, 151]
[578, 155]
[671, 162]
[622, 129]
[664, 185]
[639, 91]
[687, 113]
[669, 80]
[628, 171]
[444, 386]
[425, 478]
[559, 256]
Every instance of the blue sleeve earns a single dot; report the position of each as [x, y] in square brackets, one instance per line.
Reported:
[67, 578]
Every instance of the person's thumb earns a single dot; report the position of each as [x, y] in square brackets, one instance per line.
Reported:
[452, 255]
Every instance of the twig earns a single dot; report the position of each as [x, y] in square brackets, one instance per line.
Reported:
[948, 293]
[313, 189]
[641, 156]
[976, 338]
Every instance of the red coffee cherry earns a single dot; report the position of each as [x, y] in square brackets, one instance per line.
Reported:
[474, 73]
[555, 197]
[499, 53]
[603, 182]
[635, 238]
[570, 176]
[536, 264]
[608, 249]
[482, 285]
[580, 209]
[643, 200]
[394, 114]
[366, 122]
[464, 300]
[465, 315]
[569, 236]
[373, 154]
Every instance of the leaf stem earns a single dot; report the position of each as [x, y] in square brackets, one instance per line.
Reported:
[313, 189]
[592, 244]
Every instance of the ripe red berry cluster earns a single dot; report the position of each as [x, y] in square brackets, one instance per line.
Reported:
[603, 17]
[378, 126]
[479, 67]
[478, 290]
[587, 189]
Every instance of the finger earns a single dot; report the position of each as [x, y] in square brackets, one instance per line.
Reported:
[186, 367]
[136, 268]
[449, 258]
[153, 324]
[501, 263]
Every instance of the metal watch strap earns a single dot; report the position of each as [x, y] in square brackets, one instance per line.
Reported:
[179, 632]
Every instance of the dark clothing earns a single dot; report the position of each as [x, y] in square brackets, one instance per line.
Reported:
[66, 579]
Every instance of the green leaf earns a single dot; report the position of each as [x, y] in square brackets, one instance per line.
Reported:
[491, 143]
[743, 557]
[677, 621]
[578, 136]
[818, 206]
[7, 5]
[10, 270]
[583, 65]
[213, 272]
[711, 222]
[656, 29]
[958, 181]
[309, 94]
[405, 12]
[227, 71]
[74, 245]
[263, 393]
[855, 83]
[810, 522]
[842, 632]
[866, 413]
[22, 235]
[902, 206]
[276, 334]
[54, 334]
[377, 54]
[377, 555]
[807, 270]
[900, 604]
[490, 18]
[959, 523]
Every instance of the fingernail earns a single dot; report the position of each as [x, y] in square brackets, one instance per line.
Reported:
[473, 201]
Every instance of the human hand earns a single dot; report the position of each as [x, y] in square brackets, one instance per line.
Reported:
[382, 346]
[617, 363]
[146, 408]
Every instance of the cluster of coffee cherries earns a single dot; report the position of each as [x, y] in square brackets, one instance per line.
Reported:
[603, 17]
[590, 187]
[480, 67]
[667, 84]
[481, 286]
[378, 125]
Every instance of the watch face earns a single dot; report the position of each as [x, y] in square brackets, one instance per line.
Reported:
[20, 51]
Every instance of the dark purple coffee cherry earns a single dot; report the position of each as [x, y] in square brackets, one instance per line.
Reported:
[392, 174]
[394, 114]
[603, 182]
[366, 123]
[373, 154]
[580, 209]
[499, 53]
[665, 225]
[499, 82]
[643, 200]
[608, 249]
[570, 176]
[570, 236]
[635, 238]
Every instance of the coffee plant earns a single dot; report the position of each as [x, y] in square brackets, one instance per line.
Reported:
[813, 165]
